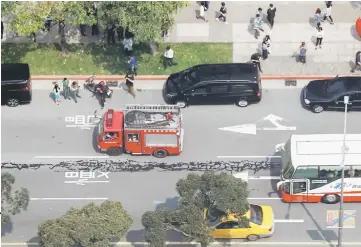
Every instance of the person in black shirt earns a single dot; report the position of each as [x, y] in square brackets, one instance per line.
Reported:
[271, 13]
[255, 59]
[357, 62]
[223, 13]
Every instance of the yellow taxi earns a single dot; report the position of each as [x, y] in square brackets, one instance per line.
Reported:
[261, 224]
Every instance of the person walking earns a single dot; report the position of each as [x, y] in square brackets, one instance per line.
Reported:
[302, 52]
[260, 13]
[74, 89]
[129, 81]
[83, 30]
[111, 34]
[357, 62]
[319, 37]
[223, 13]
[66, 88]
[132, 65]
[257, 26]
[255, 59]
[328, 12]
[318, 17]
[56, 93]
[128, 45]
[202, 12]
[271, 14]
[266, 47]
[168, 57]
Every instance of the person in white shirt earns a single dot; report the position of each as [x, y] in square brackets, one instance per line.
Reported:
[168, 57]
[128, 45]
[319, 37]
[202, 12]
[327, 13]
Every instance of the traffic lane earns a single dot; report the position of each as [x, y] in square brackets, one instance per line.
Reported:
[203, 140]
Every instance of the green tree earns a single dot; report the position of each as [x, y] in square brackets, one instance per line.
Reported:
[91, 226]
[12, 202]
[218, 193]
[145, 19]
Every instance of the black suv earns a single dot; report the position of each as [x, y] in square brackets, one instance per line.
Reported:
[237, 83]
[320, 95]
[15, 84]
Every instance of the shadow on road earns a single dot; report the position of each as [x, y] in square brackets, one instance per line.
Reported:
[354, 33]
[33, 240]
[6, 229]
[136, 236]
[356, 4]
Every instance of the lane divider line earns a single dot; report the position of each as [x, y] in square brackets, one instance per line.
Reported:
[71, 157]
[289, 221]
[248, 157]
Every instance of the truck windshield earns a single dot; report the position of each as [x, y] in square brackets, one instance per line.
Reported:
[100, 127]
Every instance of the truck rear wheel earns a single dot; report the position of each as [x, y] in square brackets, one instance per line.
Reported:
[114, 151]
[160, 153]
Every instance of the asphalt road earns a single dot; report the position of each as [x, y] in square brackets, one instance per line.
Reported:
[38, 129]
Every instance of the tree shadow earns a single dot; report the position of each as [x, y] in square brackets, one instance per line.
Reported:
[6, 228]
[356, 4]
[33, 241]
[170, 203]
[136, 236]
[354, 33]
[13, 53]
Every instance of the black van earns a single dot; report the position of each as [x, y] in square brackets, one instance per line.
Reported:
[15, 84]
[238, 83]
[320, 95]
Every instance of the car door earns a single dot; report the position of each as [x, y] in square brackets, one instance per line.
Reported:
[355, 99]
[218, 93]
[196, 95]
[338, 102]
[229, 229]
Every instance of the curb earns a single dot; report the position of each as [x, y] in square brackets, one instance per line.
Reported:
[164, 77]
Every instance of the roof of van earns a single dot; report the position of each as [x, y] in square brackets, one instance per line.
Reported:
[15, 72]
[325, 149]
[228, 71]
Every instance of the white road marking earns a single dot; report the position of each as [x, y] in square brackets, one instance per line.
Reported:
[80, 125]
[289, 221]
[68, 198]
[84, 182]
[264, 198]
[247, 157]
[71, 157]
[264, 177]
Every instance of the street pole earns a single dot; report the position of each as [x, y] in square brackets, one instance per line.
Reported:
[344, 150]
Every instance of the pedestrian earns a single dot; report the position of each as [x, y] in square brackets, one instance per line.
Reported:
[168, 57]
[202, 12]
[257, 26]
[132, 65]
[47, 24]
[327, 13]
[318, 17]
[82, 30]
[260, 13]
[222, 13]
[120, 32]
[319, 37]
[255, 59]
[357, 62]
[266, 47]
[66, 88]
[129, 81]
[33, 37]
[302, 52]
[111, 34]
[95, 29]
[271, 14]
[74, 89]
[128, 45]
[56, 92]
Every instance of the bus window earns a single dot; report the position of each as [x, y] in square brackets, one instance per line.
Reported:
[306, 172]
[330, 172]
[299, 187]
[353, 171]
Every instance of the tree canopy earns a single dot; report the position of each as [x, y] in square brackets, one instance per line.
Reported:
[12, 202]
[91, 226]
[222, 193]
[145, 19]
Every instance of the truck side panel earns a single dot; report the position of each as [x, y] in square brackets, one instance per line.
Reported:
[161, 140]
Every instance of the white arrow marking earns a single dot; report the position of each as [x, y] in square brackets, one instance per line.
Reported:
[279, 147]
[275, 121]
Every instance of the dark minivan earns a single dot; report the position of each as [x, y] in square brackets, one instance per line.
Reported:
[320, 95]
[238, 83]
[15, 84]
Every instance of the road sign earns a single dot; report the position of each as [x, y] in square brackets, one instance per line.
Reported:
[332, 218]
[251, 129]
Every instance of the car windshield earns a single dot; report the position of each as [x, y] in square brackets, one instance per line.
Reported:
[100, 127]
[256, 214]
[212, 217]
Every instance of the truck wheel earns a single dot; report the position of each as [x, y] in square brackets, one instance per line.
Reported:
[114, 151]
[330, 199]
[160, 153]
[12, 102]
[252, 237]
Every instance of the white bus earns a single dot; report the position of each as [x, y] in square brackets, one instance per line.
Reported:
[311, 168]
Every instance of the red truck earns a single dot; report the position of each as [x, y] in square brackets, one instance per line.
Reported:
[142, 129]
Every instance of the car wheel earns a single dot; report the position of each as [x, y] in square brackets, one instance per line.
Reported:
[317, 108]
[330, 198]
[242, 103]
[252, 237]
[181, 104]
[160, 153]
[114, 151]
[12, 102]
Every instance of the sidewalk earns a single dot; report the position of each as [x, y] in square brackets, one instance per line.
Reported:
[293, 24]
